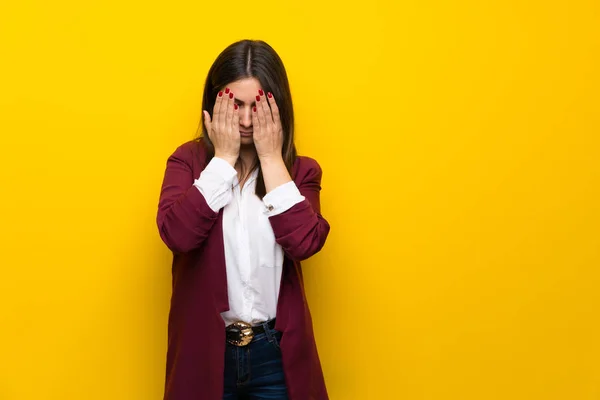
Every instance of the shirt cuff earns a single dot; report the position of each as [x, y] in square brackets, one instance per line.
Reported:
[215, 183]
[221, 168]
[282, 198]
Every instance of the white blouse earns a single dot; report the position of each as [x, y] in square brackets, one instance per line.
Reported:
[254, 261]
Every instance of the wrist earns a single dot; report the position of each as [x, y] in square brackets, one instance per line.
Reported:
[270, 158]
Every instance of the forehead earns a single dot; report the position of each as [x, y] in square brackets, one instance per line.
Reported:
[245, 89]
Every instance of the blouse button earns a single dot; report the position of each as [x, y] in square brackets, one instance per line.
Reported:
[270, 207]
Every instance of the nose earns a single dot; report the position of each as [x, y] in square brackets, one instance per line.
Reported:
[245, 117]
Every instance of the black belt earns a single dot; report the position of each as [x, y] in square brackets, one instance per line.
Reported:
[241, 333]
[261, 328]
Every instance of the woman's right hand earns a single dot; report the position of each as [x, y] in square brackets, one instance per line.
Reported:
[223, 130]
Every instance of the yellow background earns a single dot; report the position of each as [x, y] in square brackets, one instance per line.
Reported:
[459, 143]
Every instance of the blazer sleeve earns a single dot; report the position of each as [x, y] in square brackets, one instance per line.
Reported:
[301, 230]
[184, 218]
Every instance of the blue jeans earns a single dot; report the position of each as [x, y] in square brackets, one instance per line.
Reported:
[255, 371]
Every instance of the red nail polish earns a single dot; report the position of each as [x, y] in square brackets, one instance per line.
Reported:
[270, 95]
[231, 95]
[220, 94]
[257, 98]
[226, 90]
[260, 91]
[254, 109]
[235, 106]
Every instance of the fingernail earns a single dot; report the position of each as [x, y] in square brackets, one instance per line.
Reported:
[257, 98]
[254, 109]
[226, 90]
[231, 95]
[220, 94]
[270, 95]
[235, 106]
[260, 91]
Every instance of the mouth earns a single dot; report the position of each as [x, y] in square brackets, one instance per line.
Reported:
[246, 133]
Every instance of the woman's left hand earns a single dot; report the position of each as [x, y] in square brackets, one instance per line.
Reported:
[266, 126]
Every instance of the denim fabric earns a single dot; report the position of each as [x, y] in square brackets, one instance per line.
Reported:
[255, 371]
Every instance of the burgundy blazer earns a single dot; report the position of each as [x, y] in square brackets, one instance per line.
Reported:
[196, 331]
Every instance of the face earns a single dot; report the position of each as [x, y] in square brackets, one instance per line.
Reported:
[245, 91]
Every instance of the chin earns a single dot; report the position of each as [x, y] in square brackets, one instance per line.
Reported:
[246, 141]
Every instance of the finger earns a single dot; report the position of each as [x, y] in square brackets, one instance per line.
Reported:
[223, 108]
[261, 113]
[274, 109]
[235, 121]
[255, 122]
[228, 109]
[265, 108]
[217, 109]
[206, 121]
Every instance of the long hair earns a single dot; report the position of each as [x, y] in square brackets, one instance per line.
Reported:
[252, 59]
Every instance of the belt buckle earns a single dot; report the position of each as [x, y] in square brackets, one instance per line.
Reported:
[244, 332]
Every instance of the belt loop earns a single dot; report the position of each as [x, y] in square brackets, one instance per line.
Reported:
[268, 331]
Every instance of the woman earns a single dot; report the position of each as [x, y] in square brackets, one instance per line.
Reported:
[240, 210]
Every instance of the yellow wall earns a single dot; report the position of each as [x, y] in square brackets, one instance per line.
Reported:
[459, 143]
